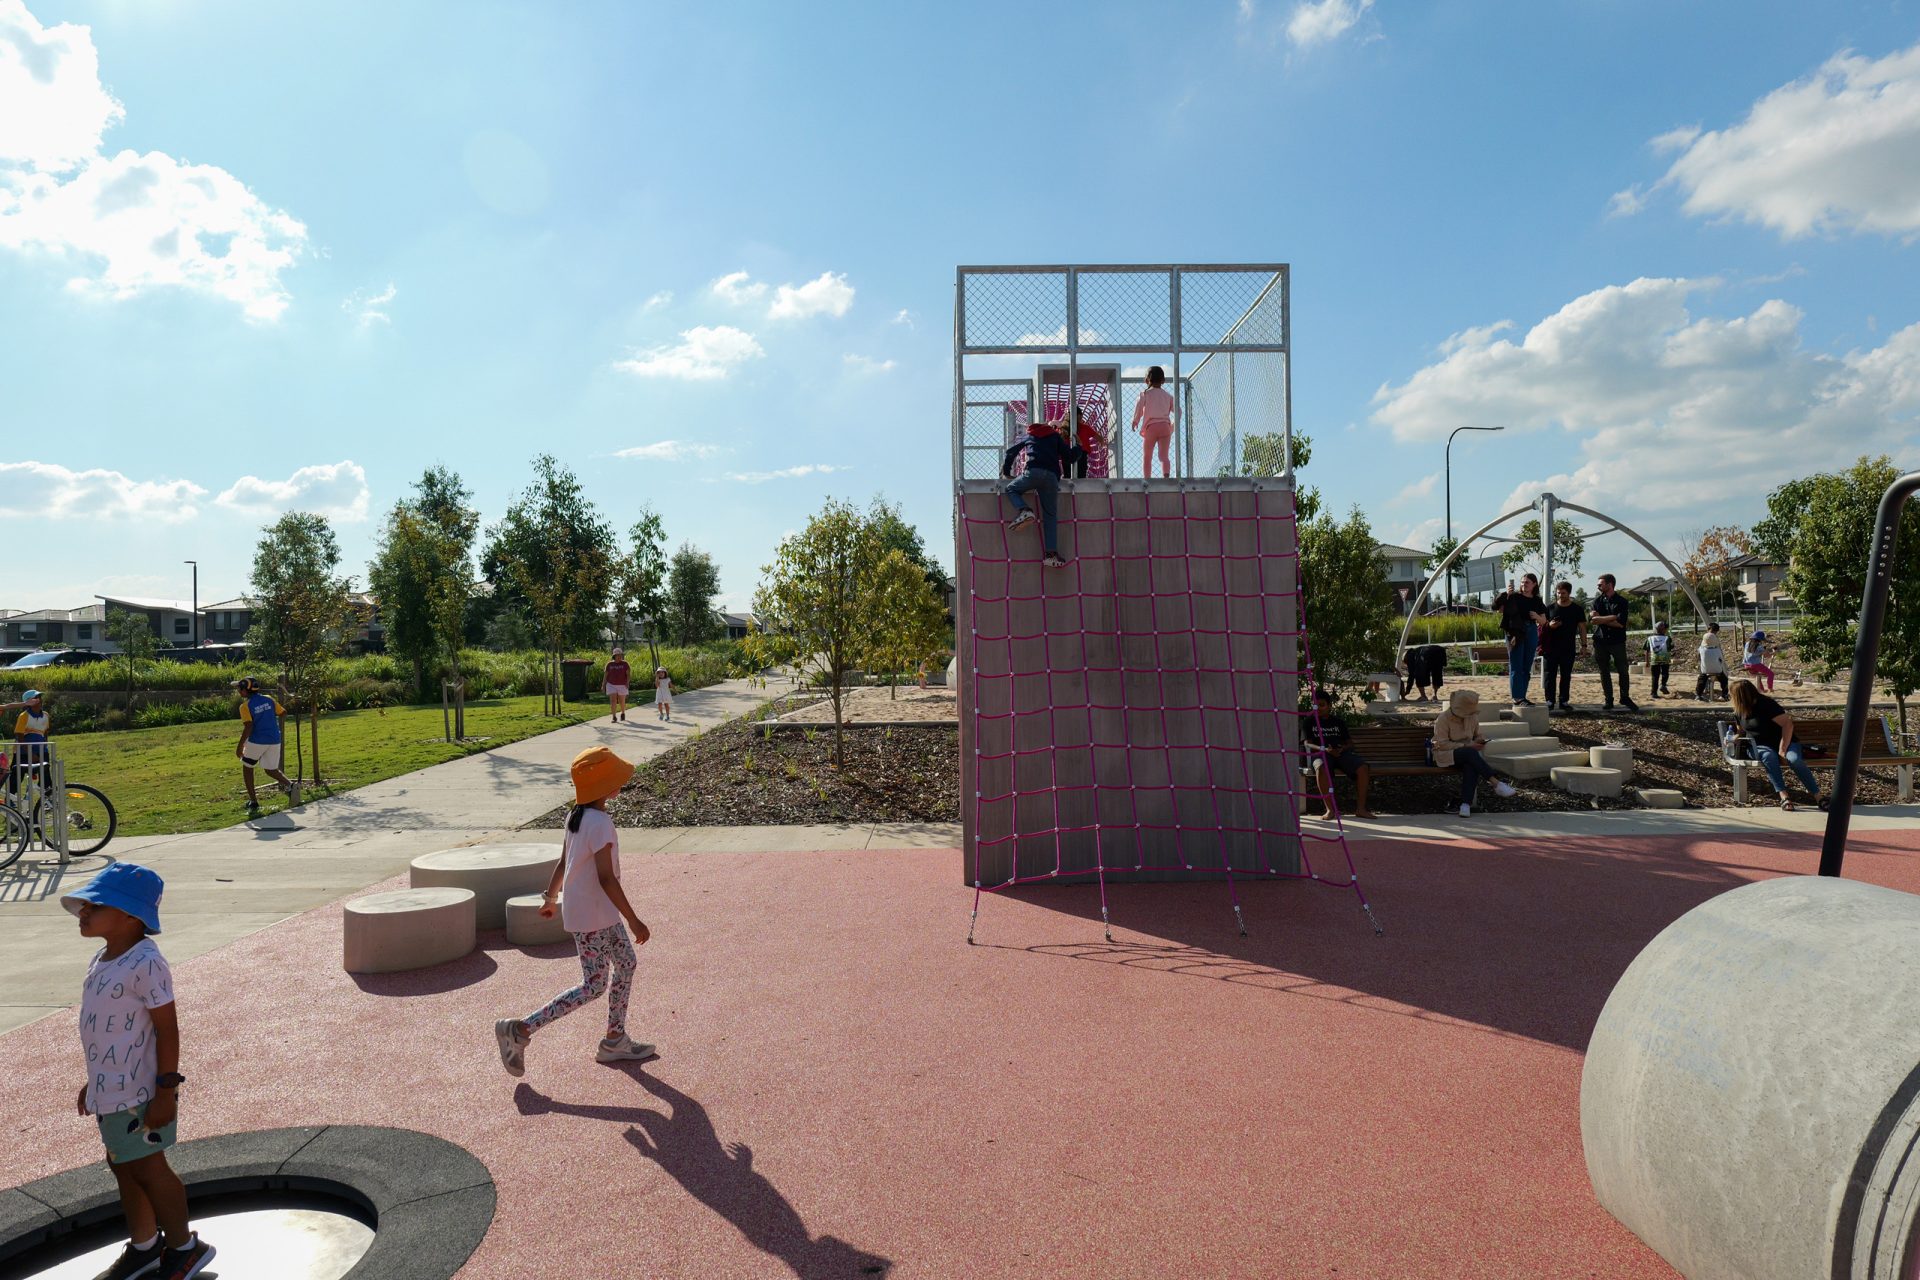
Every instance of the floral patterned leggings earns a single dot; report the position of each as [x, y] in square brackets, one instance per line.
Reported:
[600, 951]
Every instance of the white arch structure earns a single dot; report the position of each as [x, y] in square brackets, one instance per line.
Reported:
[1547, 504]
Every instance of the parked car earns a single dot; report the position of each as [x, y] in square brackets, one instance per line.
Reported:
[10, 656]
[57, 658]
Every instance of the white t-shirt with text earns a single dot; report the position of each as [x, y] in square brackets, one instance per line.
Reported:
[116, 1025]
[584, 905]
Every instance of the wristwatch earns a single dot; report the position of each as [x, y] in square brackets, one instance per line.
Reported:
[171, 1080]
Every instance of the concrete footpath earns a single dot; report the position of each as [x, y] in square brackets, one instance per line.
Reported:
[223, 885]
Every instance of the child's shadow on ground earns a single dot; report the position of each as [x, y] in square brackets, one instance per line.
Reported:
[722, 1177]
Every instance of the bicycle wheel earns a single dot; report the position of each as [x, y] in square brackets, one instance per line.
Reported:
[15, 833]
[90, 820]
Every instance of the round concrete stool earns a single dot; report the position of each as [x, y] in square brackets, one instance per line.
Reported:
[495, 872]
[1611, 757]
[526, 927]
[1749, 1102]
[408, 929]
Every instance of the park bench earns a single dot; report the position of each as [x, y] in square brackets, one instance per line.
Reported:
[1392, 750]
[1878, 750]
[1496, 655]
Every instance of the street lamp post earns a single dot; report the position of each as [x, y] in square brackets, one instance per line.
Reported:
[1449, 471]
[196, 602]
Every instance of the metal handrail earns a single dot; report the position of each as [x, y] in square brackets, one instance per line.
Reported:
[1866, 650]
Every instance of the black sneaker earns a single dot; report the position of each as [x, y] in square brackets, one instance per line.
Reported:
[1627, 705]
[134, 1262]
[253, 808]
[184, 1264]
[1607, 707]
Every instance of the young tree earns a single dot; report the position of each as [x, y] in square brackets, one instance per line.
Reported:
[1773, 536]
[134, 634]
[1828, 576]
[693, 580]
[1568, 546]
[641, 590]
[301, 607]
[553, 554]
[1442, 548]
[423, 575]
[896, 534]
[1710, 556]
[909, 621]
[1265, 454]
[826, 594]
[1343, 589]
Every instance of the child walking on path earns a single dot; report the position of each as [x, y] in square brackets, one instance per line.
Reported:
[616, 683]
[1713, 663]
[130, 1033]
[1048, 457]
[1660, 659]
[1154, 414]
[1753, 660]
[586, 885]
[662, 694]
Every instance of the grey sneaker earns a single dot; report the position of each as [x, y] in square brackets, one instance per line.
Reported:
[625, 1049]
[1021, 520]
[133, 1263]
[513, 1047]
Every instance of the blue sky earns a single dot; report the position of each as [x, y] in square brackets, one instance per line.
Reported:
[258, 257]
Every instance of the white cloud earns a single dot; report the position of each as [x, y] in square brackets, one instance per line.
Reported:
[48, 491]
[658, 300]
[903, 316]
[1318, 21]
[1836, 151]
[738, 289]
[1421, 488]
[670, 451]
[786, 473]
[1683, 417]
[1626, 202]
[368, 309]
[337, 490]
[704, 354]
[867, 364]
[130, 222]
[827, 294]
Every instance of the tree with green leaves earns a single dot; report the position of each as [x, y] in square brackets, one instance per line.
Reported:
[133, 633]
[1773, 536]
[1265, 454]
[422, 574]
[897, 535]
[693, 580]
[1827, 575]
[1569, 544]
[909, 617]
[640, 590]
[1442, 548]
[553, 556]
[301, 609]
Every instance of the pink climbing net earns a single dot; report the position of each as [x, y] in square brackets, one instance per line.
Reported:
[1096, 420]
[1054, 708]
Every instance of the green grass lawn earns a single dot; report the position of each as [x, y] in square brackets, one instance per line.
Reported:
[185, 778]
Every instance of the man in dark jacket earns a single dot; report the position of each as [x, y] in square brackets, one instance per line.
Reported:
[1049, 454]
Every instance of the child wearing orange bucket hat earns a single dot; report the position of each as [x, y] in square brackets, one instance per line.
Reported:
[586, 888]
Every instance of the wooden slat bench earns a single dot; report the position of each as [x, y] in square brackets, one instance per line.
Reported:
[1496, 655]
[1878, 752]
[1393, 750]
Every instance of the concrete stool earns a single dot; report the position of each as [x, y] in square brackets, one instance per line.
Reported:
[1660, 798]
[1584, 780]
[407, 929]
[1620, 758]
[494, 872]
[525, 928]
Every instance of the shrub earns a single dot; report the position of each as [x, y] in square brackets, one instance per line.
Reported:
[160, 715]
[114, 718]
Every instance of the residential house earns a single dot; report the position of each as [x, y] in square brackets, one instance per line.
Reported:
[227, 621]
[738, 625]
[37, 628]
[170, 620]
[1758, 579]
[1406, 572]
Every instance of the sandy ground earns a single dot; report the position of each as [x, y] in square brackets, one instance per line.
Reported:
[867, 705]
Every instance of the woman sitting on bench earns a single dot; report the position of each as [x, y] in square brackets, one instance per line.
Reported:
[1770, 729]
[1457, 744]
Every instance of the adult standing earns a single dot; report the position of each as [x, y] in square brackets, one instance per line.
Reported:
[1770, 729]
[1521, 613]
[1610, 642]
[260, 743]
[1565, 632]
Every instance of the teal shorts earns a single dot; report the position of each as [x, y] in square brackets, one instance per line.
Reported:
[126, 1141]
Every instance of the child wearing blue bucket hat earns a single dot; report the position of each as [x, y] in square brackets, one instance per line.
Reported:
[130, 1034]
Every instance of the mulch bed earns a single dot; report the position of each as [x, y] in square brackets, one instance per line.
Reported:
[739, 775]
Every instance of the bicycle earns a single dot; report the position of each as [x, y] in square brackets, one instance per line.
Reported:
[16, 833]
[90, 816]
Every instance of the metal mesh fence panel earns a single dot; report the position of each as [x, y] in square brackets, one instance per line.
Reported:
[1132, 309]
[985, 425]
[1014, 309]
[1231, 305]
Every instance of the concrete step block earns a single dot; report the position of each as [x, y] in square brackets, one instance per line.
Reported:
[1539, 765]
[1620, 758]
[1526, 745]
[1660, 797]
[405, 929]
[1498, 730]
[1585, 780]
[1535, 718]
[526, 927]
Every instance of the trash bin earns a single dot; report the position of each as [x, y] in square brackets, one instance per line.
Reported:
[573, 679]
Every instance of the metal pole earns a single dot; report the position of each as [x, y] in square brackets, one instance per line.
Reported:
[959, 371]
[1546, 542]
[1233, 412]
[1073, 361]
[1866, 650]
[196, 602]
[1286, 383]
[1448, 469]
[1186, 435]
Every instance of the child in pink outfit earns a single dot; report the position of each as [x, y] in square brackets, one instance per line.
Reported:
[1154, 414]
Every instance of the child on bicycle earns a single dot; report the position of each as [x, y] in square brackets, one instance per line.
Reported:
[130, 1034]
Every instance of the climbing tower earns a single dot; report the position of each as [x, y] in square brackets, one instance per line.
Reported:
[1138, 712]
